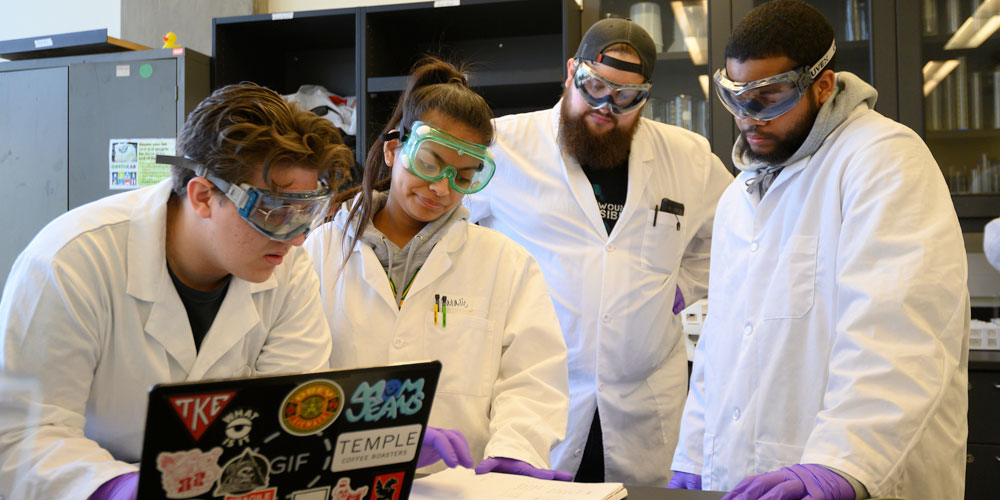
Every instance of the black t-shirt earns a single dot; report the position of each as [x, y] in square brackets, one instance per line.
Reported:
[610, 188]
[201, 306]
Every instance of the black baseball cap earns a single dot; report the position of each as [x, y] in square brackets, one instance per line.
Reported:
[607, 32]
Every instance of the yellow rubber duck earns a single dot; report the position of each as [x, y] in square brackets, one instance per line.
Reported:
[170, 40]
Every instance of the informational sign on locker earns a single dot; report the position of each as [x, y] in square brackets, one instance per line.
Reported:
[132, 162]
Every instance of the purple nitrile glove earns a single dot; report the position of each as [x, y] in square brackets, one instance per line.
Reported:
[511, 466]
[685, 481]
[679, 303]
[811, 481]
[444, 444]
[123, 487]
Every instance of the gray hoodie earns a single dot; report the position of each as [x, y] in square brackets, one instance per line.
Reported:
[848, 92]
[401, 264]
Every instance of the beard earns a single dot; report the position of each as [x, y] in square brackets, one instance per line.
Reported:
[607, 150]
[785, 147]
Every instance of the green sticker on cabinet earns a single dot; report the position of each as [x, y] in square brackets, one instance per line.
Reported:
[145, 70]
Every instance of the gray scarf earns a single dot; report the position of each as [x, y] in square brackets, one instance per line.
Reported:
[848, 92]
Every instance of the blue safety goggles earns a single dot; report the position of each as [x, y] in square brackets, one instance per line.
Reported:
[280, 216]
[771, 97]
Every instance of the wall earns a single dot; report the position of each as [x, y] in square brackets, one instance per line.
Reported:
[146, 21]
[28, 19]
[140, 21]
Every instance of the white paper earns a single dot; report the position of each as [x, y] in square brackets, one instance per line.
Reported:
[465, 484]
[446, 3]
[281, 16]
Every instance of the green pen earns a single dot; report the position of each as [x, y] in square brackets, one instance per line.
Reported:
[444, 311]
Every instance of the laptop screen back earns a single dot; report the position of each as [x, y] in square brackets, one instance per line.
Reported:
[337, 435]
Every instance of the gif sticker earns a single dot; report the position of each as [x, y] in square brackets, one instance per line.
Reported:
[390, 445]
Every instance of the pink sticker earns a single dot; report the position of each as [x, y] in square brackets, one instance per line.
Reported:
[188, 473]
[267, 494]
[343, 491]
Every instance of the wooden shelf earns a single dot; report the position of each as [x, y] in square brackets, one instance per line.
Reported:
[65, 44]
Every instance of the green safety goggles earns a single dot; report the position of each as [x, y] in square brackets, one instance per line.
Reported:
[433, 154]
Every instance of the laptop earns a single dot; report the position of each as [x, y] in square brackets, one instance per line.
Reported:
[335, 435]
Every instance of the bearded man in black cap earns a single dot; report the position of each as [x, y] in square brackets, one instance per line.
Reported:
[617, 209]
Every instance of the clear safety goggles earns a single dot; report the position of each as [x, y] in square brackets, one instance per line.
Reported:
[429, 151]
[280, 216]
[771, 97]
[599, 92]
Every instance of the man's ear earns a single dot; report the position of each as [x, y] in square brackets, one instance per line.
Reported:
[569, 73]
[824, 84]
[389, 151]
[200, 193]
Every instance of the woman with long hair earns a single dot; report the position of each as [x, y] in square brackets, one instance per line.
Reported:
[404, 277]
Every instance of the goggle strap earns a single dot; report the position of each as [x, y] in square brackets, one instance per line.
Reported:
[239, 197]
[390, 135]
[823, 61]
[618, 63]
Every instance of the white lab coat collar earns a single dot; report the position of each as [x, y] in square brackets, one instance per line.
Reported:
[639, 171]
[149, 281]
[438, 262]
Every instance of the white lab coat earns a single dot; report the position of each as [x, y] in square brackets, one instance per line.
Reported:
[613, 294]
[991, 242]
[838, 322]
[503, 381]
[90, 311]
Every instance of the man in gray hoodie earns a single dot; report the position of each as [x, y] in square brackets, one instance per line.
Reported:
[833, 360]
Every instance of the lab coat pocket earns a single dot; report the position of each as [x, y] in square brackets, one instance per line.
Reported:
[661, 244]
[793, 280]
[468, 352]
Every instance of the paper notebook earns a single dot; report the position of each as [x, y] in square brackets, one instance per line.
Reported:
[465, 484]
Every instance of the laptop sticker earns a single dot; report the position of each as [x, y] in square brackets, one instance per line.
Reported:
[244, 473]
[386, 400]
[311, 407]
[321, 493]
[343, 491]
[268, 494]
[200, 410]
[374, 447]
[388, 486]
[239, 423]
[186, 474]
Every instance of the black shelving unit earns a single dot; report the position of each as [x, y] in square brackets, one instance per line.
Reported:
[517, 50]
